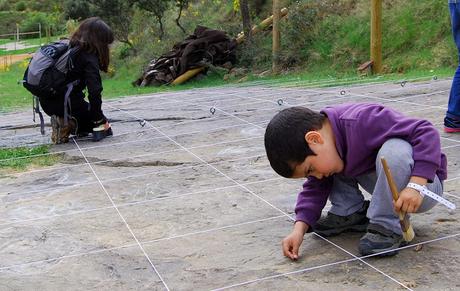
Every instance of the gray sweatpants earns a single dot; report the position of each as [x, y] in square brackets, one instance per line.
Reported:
[346, 198]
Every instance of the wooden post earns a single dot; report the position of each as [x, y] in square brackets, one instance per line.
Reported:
[376, 36]
[17, 36]
[48, 34]
[40, 33]
[276, 37]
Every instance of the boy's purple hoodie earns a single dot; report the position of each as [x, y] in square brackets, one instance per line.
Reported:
[360, 130]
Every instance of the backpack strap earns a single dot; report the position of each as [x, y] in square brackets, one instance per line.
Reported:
[36, 109]
[67, 105]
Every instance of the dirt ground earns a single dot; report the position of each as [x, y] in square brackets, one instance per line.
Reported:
[189, 201]
[6, 61]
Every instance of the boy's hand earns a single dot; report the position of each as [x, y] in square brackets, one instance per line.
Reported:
[292, 242]
[409, 201]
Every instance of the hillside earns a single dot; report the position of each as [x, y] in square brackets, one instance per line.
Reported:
[331, 36]
[317, 36]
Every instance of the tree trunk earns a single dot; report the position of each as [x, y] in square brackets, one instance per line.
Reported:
[162, 32]
[244, 8]
[178, 18]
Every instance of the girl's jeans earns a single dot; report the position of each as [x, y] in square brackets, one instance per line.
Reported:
[453, 109]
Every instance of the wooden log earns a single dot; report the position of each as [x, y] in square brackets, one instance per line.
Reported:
[261, 26]
[187, 75]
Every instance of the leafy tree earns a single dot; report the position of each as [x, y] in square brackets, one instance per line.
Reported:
[181, 4]
[157, 8]
[77, 9]
[20, 6]
[118, 14]
[44, 6]
[5, 5]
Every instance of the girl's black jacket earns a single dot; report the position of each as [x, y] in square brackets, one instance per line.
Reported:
[86, 70]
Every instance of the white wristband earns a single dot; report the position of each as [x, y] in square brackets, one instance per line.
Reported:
[424, 191]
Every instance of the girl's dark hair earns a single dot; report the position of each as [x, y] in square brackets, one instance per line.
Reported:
[285, 138]
[94, 36]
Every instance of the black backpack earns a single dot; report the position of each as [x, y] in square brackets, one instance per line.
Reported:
[46, 74]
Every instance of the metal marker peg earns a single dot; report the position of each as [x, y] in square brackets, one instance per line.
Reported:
[403, 83]
[435, 77]
[142, 122]
[280, 102]
[212, 110]
[342, 92]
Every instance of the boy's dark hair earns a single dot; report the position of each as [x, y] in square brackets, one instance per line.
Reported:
[94, 36]
[285, 138]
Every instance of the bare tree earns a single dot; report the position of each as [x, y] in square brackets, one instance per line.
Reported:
[118, 14]
[157, 8]
[181, 4]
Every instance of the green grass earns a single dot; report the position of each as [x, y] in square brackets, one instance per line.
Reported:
[12, 94]
[5, 40]
[416, 36]
[22, 158]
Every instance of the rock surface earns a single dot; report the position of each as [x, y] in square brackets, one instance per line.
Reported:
[190, 202]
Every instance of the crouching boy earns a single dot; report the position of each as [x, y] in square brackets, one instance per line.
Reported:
[340, 148]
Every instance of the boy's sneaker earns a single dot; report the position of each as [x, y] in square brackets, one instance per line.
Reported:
[60, 132]
[451, 125]
[102, 131]
[334, 224]
[378, 239]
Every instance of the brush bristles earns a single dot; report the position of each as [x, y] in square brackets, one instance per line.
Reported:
[407, 230]
[409, 234]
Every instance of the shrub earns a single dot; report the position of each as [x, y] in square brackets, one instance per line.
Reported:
[20, 6]
[32, 21]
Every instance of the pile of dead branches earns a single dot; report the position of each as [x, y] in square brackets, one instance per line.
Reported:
[204, 47]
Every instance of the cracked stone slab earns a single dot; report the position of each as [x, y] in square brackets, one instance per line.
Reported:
[203, 226]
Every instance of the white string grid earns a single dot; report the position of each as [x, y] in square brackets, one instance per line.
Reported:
[293, 81]
[226, 113]
[140, 202]
[270, 109]
[241, 184]
[122, 218]
[54, 188]
[271, 83]
[220, 110]
[13, 266]
[102, 161]
[261, 100]
[264, 200]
